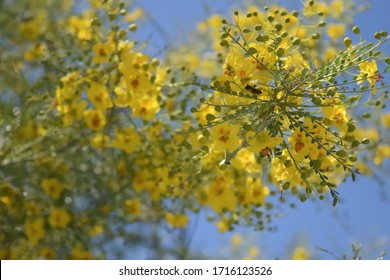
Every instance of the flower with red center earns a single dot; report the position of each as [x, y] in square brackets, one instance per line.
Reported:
[225, 136]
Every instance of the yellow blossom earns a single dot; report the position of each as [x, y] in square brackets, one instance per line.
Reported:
[253, 252]
[99, 96]
[225, 137]
[126, 139]
[81, 26]
[369, 72]
[33, 28]
[100, 141]
[146, 107]
[337, 8]
[220, 195]
[262, 140]
[382, 152]
[336, 30]
[386, 120]
[71, 111]
[31, 130]
[223, 225]
[337, 114]
[254, 192]
[300, 253]
[96, 230]
[52, 187]
[176, 220]
[103, 51]
[236, 240]
[80, 254]
[133, 207]
[47, 253]
[135, 14]
[36, 52]
[121, 168]
[35, 230]
[59, 218]
[95, 119]
[123, 97]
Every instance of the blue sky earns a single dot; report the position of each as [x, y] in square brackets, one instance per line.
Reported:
[361, 217]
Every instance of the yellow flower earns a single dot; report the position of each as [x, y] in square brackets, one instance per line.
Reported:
[368, 71]
[71, 111]
[254, 192]
[336, 30]
[236, 240]
[103, 52]
[59, 218]
[337, 114]
[52, 187]
[262, 140]
[225, 137]
[80, 254]
[47, 253]
[253, 252]
[34, 27]
[386, 120]
[300, 253]
[329, 54]
[300, 143]
[100, 141]
[337, 7]
[146, 107]
[133, 207]
[96, 230]
[95, 119]
[123, 97]
[35, 230]
[126, 139]
[81, 26]
[121, 168]
[37, 51]
[220, 195]
[223, 225]
[382, 152]
[135, 14]
[246, 160]
[176, 220]
[31, 130]
[99, 96]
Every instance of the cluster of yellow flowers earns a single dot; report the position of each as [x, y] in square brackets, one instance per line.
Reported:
[110, 142]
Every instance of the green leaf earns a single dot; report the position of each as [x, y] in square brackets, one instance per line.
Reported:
[252, 51]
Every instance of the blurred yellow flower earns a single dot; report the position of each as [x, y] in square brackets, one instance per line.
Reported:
[103, 51]
[176, 220]
[59, 218]
[369, 72]
[336, 30]
[236, 240]
[80, 254]
[99, 96]
[34, 230]
[126, 139]
[300, 253]
[52, 187]
[225, 137]
[95, 119]
[133, 207]
[386, 120]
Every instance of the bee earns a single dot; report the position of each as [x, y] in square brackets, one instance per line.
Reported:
[252, 89]
[378, 78]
